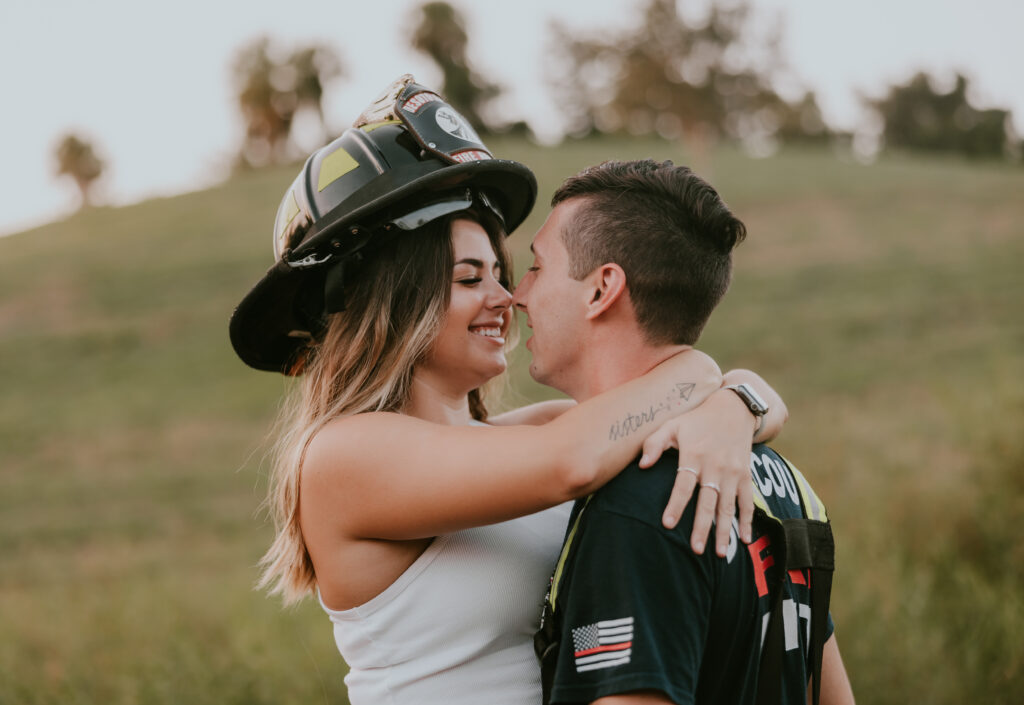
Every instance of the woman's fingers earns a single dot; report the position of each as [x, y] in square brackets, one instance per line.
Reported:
[714, 454]
[725, 514]
[682, 490]
[707, 501]
[656, 444]
[745, 498]
[716, 504]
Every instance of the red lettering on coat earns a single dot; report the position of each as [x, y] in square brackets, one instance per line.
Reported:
[796, 576]
[761, 563]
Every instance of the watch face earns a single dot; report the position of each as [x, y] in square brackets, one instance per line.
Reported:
[751, 398]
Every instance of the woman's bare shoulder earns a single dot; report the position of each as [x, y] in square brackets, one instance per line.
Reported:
[367, 421]
[348, 437]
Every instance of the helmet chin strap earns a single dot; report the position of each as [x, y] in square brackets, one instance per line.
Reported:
[334, 286]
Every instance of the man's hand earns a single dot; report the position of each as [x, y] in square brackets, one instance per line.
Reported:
[714, 449]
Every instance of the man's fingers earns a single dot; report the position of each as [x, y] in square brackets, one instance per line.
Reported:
[682, 490]
[707, 500]
[745, 498]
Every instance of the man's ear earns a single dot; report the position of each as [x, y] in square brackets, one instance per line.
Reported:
[607, 285]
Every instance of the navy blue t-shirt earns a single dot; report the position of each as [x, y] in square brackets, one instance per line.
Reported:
[638, 610]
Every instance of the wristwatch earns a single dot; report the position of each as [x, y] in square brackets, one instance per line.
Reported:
[753, 400]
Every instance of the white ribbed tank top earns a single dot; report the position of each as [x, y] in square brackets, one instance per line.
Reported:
[457, 626]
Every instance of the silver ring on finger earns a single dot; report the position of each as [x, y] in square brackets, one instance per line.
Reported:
[711, 486]
[683, 468]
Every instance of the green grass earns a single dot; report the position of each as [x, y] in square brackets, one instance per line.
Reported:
[883, 302]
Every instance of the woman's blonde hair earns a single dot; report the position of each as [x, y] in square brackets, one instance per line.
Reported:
[395, 304]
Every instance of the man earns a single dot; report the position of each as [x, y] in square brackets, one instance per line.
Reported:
[628, 267]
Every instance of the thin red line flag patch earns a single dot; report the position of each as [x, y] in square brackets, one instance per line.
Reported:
[603, 644]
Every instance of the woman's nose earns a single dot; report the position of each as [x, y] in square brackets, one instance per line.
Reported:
[499, 296]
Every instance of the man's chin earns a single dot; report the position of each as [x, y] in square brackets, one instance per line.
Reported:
[535, 372]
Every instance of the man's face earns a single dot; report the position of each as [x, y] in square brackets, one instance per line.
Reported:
[554, 303]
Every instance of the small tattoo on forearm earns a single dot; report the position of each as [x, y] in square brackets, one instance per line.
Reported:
[685, 389]
[632, 422]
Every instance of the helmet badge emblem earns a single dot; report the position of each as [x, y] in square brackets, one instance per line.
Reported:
[455, 125]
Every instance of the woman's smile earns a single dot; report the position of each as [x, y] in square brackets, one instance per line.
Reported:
[491, 331]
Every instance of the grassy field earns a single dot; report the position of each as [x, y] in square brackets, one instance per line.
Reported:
[883, 301]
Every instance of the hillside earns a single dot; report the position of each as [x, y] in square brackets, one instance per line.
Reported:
[882, 301]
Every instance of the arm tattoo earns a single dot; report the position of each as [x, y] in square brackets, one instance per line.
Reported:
[632, 422]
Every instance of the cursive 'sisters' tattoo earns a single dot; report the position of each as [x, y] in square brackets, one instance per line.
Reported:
[631, 422]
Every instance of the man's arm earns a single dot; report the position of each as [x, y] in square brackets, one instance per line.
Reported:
[835, 685]
[533, 414]
[622, 597]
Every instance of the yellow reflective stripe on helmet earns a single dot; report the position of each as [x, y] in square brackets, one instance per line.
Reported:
[334, 166]
[813, 505]
[370, 127]
[556, 578]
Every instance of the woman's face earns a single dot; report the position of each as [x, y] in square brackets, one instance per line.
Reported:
[470, 348]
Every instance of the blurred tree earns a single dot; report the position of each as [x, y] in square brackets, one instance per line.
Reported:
[802, 121]
[440, 33]
[916, 116]
[76, 158]
[315, 66]
[267, 112]
[271, 91]
[680, 78]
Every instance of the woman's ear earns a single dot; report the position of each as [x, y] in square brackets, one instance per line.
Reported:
[607, 284]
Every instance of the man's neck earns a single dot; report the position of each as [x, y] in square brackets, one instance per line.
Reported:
[615, 360]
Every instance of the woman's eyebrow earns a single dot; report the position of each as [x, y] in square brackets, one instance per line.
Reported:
[478, 264]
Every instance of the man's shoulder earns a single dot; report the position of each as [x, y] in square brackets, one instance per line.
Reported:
[782, 486]
[643, 493]
[638, 493]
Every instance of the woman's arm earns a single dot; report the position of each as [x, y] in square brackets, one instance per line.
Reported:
[544, 411]
[714, 437]
[390, 476]
[777, 414]
[533, 414]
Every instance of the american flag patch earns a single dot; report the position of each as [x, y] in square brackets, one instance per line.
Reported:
[603, 644]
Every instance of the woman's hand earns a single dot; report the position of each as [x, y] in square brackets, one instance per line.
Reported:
[714, 448]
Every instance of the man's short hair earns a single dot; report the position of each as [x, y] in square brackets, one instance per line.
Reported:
[669, 231]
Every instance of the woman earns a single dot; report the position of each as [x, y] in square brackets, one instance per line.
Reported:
[430, 540]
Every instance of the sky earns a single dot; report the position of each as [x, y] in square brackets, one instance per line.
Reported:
[150, 83]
